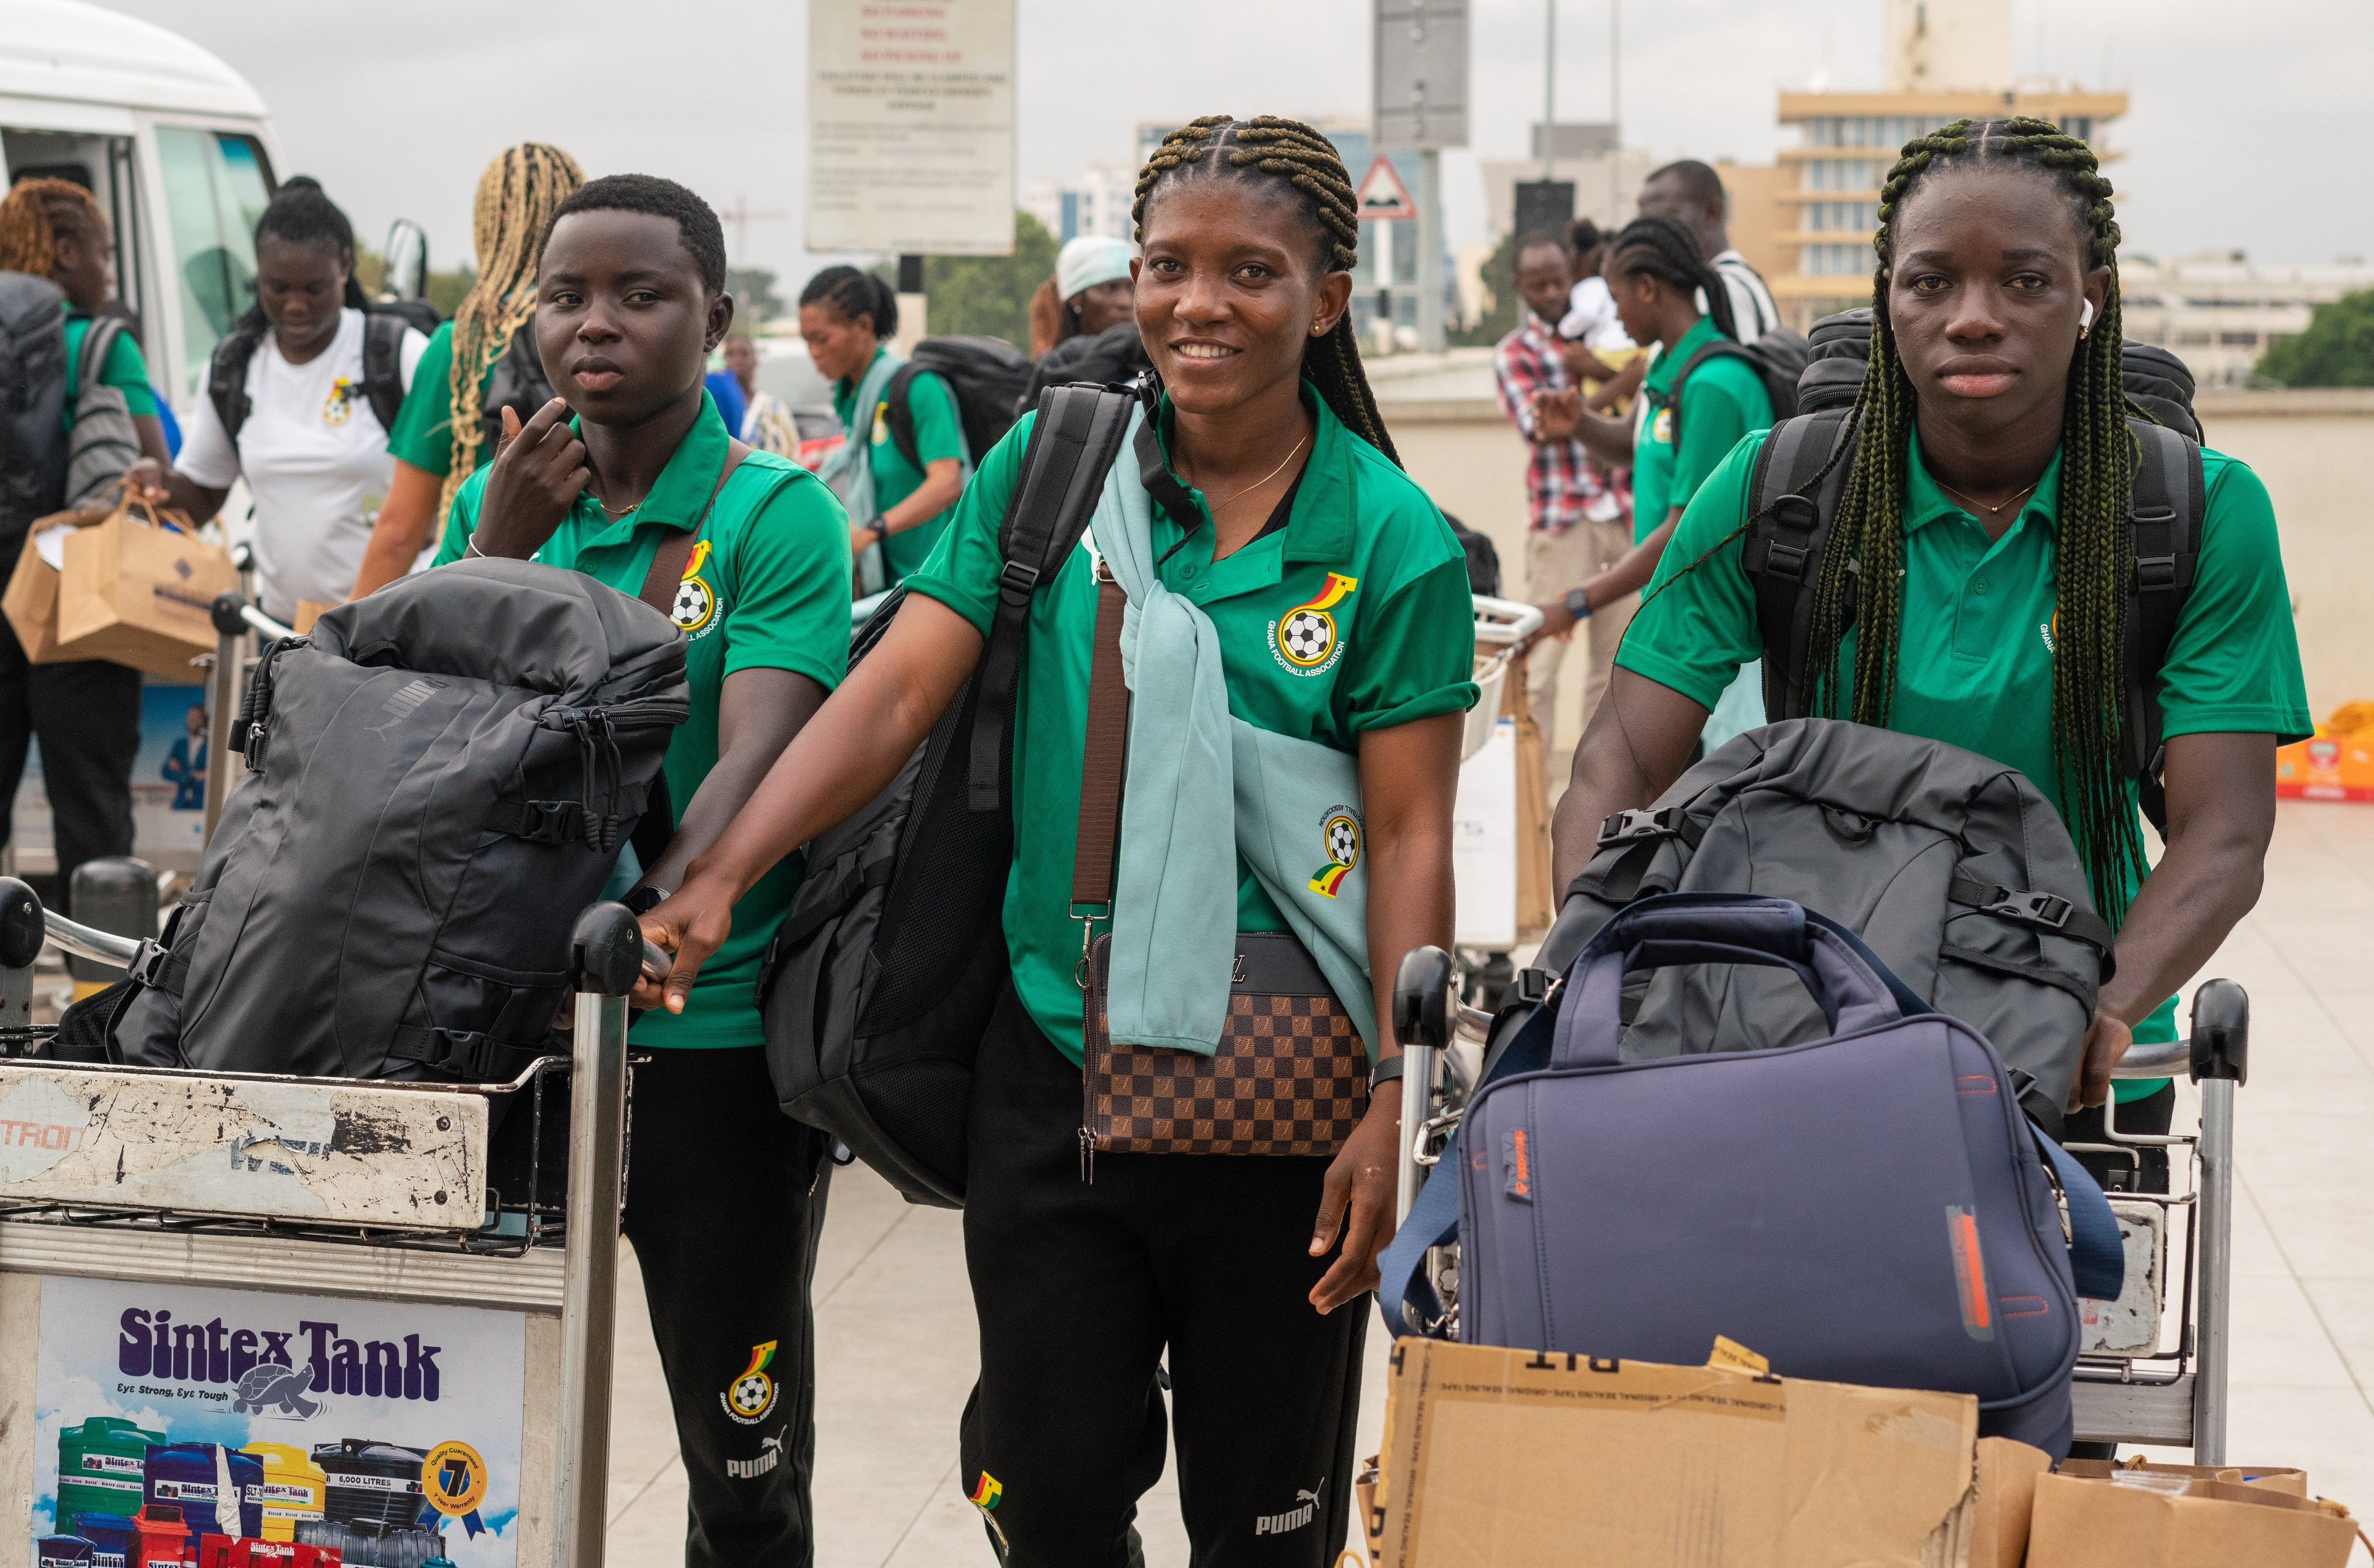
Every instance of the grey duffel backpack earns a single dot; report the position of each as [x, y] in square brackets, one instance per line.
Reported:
[1954, 869]
[442, 775]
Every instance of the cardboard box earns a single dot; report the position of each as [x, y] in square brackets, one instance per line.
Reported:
[1506, 1459]
[2004, 1498]
[2291, 1482]
[2137, 1519]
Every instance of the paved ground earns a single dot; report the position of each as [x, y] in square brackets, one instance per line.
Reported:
[896, 1334]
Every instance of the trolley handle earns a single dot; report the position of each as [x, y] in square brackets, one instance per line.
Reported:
[1504, 622]
[234, 615]
[89, 941]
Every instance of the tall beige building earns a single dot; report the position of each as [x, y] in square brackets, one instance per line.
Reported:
[1947, 60]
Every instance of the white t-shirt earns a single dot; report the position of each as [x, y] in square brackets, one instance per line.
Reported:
[1591, 317]
[1752, 310]
[316, 461]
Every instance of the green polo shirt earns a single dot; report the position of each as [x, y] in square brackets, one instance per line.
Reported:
[1974, 661]
[423, 436]
[939, 434]
[1361, 537]
[126, 368]
[1725, 399]
[775, 560]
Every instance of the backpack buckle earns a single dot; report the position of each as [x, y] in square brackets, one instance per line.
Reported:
[551, 822]
[1785, 561]
[1634, 827]
[1017, 582]
[2154, 574]
[2046, 909]
[148, 965]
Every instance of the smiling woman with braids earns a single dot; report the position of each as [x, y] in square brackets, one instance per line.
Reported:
[1333, 597]
[1976, 585]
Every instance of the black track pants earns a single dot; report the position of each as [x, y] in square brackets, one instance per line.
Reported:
[725, 1198]
[86, 715]
[1082, 1288]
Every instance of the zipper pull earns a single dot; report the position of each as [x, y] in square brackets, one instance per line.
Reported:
[1087, 1157]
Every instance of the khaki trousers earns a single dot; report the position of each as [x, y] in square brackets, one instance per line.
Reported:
[1555, 563]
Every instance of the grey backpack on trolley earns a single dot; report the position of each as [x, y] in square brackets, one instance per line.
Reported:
[440, 777]
[1954, 869]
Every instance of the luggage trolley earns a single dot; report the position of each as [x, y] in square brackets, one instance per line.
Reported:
[1493, 833]
[2152, 1366]
[464, 1309]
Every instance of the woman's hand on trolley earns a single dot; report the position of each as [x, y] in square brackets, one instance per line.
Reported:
[690, 925]
[1363, 1179]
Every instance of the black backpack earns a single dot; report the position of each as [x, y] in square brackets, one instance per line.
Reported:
[878, 987]
[1778, 358]
[32, 404]
[1789, 529]
[2154, 378]
[516, 382]
[987, 375]
[440, 777]
[1953, 867]
[384, 325]
[1112, 358]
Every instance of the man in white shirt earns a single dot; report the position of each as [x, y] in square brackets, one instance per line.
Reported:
[1691, 195]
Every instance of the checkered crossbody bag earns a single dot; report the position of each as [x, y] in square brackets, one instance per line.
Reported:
[1290, 1076]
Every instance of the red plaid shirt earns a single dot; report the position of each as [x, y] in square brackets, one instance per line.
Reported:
[1563, 480]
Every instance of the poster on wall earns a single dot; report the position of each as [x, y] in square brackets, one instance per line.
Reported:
[169, 787]
[165, 1414]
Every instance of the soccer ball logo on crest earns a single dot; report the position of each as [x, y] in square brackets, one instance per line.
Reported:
[695, 601]
[752, 1393]
[1306, 637]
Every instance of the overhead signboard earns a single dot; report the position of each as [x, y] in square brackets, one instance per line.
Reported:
[1383, 196]
[1420, 98]
[911, 127]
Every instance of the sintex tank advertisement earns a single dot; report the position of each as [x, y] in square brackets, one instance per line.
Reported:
[387, 1432]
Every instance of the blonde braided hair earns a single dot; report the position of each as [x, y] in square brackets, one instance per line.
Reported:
[517, 197]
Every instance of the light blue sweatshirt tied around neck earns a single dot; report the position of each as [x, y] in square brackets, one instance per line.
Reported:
[1198, 780]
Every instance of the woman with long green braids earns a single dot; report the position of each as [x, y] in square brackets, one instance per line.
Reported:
[1976, 583]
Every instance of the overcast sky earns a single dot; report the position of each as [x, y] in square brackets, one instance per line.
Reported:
[2247, 130]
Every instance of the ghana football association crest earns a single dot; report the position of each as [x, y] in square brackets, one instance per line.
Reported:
[694, 601]
[1341, 833]
[1305, 638]
[752, 1393]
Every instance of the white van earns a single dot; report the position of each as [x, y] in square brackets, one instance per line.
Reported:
[174, 143]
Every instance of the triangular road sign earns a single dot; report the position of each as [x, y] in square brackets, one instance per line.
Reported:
[1382, 194]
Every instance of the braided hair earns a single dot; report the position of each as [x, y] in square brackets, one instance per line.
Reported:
[517, 196]
[1861, 581]
[1665, 250]
[30, 218]
[853, 294]
[1297, 158]
[302, 213]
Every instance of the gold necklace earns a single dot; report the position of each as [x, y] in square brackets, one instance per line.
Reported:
[1995, 510]
[1264, 479]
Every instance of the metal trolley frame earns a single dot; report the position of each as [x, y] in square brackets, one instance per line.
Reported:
[2172, 1392]
[530, 1253]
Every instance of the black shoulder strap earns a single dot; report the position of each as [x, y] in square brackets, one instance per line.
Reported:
[383, 365]
[227, 377]
[2166, 508]
[901, 415]
[1788, 529]
[1072, 446]
[1698, 356]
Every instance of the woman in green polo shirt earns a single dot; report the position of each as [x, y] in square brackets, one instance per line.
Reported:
[1981, 555]
[898, 500]
[1275, 490]
[728, 1193]
[439, 441]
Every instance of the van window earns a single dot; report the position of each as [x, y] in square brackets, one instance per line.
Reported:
[216, 187]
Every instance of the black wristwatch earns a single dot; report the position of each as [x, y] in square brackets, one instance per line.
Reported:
[880, 528]
[644, 900]
[1577, 604]
[1384, 1072]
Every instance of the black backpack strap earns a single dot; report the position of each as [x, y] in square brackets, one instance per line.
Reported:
[383, 365]
[227, 377]
[1672, 398]
[2168, 507]
[901, 415]
[1788, 529]
[1073, 444]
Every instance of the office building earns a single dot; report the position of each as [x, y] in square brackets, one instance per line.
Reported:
[2219, 312]
[1096, 202]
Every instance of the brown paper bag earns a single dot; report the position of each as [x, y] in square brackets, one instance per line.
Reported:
[2274, 1477]
[308, 612]
[31, 603]
[139, 593]
[2132, 1519]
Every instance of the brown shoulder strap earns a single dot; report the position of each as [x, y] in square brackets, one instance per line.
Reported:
[1106, 755]
[676, 550]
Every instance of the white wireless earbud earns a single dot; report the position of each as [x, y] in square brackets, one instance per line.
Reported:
[2086, 318]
